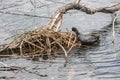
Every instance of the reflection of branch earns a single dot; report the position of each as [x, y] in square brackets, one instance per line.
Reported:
[56, 1]
[3, 64]
[9, 7]
[35, 71]
[13, 13]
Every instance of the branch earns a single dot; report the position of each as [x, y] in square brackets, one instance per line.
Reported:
[113, 28]
[77, 1]
[70, 6]
[111, 9]
[55, 23]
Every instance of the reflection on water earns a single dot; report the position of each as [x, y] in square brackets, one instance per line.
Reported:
[99, 62]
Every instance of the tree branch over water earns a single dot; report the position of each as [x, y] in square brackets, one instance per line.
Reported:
[55, 23]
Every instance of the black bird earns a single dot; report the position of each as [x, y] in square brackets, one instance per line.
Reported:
[86, 39]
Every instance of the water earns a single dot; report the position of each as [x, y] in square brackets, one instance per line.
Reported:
[100, 62]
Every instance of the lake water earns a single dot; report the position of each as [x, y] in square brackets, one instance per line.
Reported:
[100, 62]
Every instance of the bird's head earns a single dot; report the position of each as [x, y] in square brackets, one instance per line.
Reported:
[74, 29]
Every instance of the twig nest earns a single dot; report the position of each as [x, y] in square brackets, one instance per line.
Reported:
[43, 42]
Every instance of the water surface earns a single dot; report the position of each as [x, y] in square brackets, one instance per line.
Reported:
[100, 62]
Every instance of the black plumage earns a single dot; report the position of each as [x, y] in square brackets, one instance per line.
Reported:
[85, 39]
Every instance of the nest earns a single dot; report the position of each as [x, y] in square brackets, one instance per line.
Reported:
[43, 42]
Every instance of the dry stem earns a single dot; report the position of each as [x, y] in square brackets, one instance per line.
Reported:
[43, 42]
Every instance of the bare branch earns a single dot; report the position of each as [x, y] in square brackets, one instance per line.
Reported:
[77, 1]
[55, 23]
[111, 9]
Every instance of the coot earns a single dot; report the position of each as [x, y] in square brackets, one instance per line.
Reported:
[86, 39]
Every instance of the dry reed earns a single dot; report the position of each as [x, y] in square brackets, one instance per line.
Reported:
[43, 42]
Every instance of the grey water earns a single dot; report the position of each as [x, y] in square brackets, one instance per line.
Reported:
[99, 62]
